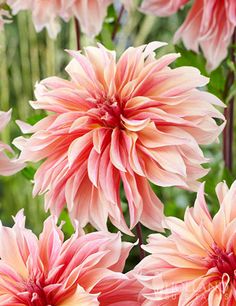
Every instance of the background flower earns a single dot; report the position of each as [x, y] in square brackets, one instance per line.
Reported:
[209, 25]
[7, 166]
[196, 264]
[119, 123]
[84, 270]
[91, 14]
[162, 7]
[45, 14]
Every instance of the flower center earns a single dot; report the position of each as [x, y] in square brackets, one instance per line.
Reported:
[109, 111]
[34, 294]
[224, 262]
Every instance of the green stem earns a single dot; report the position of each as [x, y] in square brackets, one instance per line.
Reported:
[77, 30]
[116, 26]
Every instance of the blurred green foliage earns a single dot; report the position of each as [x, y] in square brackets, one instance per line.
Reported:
[27, 57]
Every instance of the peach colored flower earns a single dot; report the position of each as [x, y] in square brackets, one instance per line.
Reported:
[84, 270]
[209, 25]
[196, 264]
[162, 7]
[114, 124]
[45, 13]
[91, 14]
[7, 166]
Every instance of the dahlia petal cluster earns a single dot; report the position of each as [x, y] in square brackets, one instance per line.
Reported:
[209, 25]
[84, 270]
[7, 166]
[162, 7]
[91, 14]
[196, 264]
[114, 123]
[46, 13]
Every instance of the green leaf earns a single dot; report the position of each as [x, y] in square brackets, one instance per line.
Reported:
[28, 173]
[190, 58]
[68, 228]
[36, 118]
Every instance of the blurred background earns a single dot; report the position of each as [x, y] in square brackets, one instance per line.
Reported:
[27, 57]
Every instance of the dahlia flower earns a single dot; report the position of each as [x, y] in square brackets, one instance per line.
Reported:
[162, 7]
[196, 264]
[84, 270]
[113, 124]
[7, 166]
[209, 25]
[91, 14]
[45, 13]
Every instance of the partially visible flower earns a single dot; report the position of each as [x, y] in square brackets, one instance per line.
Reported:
[209, 25]
[91, 14]
[84, 270]
[7, 166]
[196, 264]
[113, 124]
[162, 7]
[45, 13]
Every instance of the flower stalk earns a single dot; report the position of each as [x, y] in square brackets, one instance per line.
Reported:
[140, 240]
[78, 33]
[116, 26]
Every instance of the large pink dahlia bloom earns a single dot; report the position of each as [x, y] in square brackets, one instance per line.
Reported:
[126, 123]
[196, 264]
[84, 270]
[7, 166]
[210, 25]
